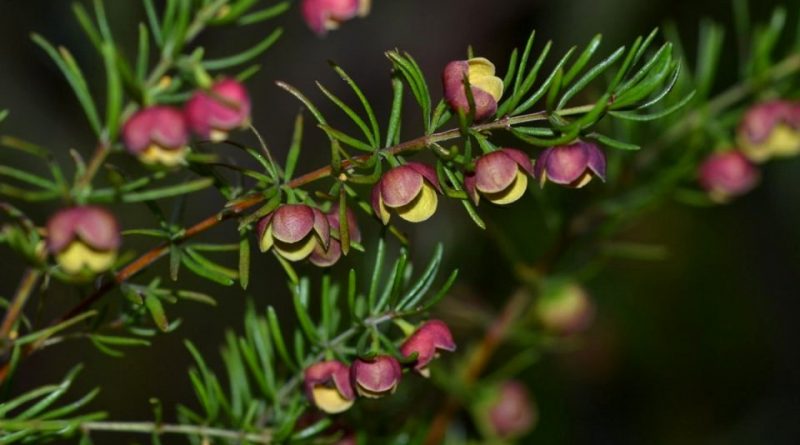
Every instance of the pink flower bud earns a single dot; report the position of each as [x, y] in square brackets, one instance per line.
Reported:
[377, 377]
[426, 342]
[508, 412]
[727, 175]
[770, 130]
[328, 387]
[323, 257]
[84, 239]
[294, 231]
[410, 190]
[157, 135]
[325, 15]
[500, 176]
[487, 89]
[565, 309]
[214, 113]
[572, 165]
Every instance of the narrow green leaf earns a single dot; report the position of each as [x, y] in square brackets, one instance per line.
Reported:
[169, 191]
[583, 59]
[613, 143]
[294, 149]
[376, 132]
[113, 91]
[156, 309]
[265, 14]
[395, 117]
[244, 56]
[277, 338]
[634, 116]
[592, 74]
[351, 114]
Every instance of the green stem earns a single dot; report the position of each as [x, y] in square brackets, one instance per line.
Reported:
[26, 286]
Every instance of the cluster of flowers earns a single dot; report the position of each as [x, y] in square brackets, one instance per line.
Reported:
[769, 130]
[84, 240]
[332, 386]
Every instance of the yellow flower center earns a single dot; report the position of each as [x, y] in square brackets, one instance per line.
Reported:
[512, 193]
[78, 256]
[420, 208]
[481, 75]
[330, 400]
[782, 142]
[154, 154]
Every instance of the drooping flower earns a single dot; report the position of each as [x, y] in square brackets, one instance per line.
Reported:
[323, 257]
[770, 130]
[294, 231]
[223, 108]
[84, 239]
[157, 135]
[328, 386]
[565, 309]
[727, 175]
[500, 176]
[507, 411]
[376, 377]
[409, 190]
[326, 15]
[486, 88]
[433, 336]
[572, 165]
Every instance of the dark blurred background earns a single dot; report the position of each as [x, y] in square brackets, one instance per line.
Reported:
[700, 347]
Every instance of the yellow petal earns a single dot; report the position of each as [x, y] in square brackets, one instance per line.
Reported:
[218, 135]
[297, 251]
[157, 155]
[265, 243]
[583, 180]
[364, 7]
[385, 216]
[422, 207]
[479, 67]
[330, 400]
[78, 255]
[491, 84]
[512, 193]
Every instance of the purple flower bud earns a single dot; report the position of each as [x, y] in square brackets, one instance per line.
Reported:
[565, 309]
[770, 130]
[157, 135]
[500, 176]
[487, 89]
[426, 342]
[214, 113]
[328, 386]
[377, 377]
[84, 239]
[572, 165]
[410, 190]
[508, 412]
[325, 15]
[294, 230]
[727, 175]
[323, 257]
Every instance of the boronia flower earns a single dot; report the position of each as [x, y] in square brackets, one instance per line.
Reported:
[83, 239]
[487, 89]
[376, 377]
[223, 108]
[770, 130]
[572, 165]
[565, 309]
[507, 411]
[326, 15]
[328, 386]
[409, 190]
[326, 257]
[500, 176]
[157, 135]
[727, 175]
[294, 231]
[432, 337]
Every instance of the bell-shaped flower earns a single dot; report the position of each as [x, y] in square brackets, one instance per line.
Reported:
[84, 239]
[572, 165]
[328, 386]
[376, 377]
[294, 231]
[501, 176]
[770, 130]
[157, 135]
[223, 108]
[326, 257]
[486, 88]
[726, 175]
[326, 15]
[426, 342]
[409, 190]
[565, 309]
[506, 411]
